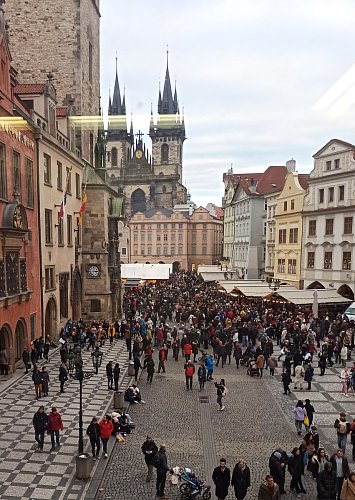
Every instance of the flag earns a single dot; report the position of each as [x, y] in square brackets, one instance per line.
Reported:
[82, 208]
[62, 207]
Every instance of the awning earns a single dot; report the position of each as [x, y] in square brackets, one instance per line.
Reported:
[250, 288]
[304, 297]
[146, 271]
[132, 282]
[212, 276]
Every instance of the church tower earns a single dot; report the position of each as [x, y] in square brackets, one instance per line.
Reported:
[168, 136]
[119, 140]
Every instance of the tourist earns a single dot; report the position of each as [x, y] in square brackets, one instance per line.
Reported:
[308, 376]
[63, 376]
[221, 393]
[237, 354]
[343, 428]
[189, 373]
[137, 366]
[54, 426]
[344, 356]
[106, 428]
[341, 467]
[300, 413]
[45, 381]
[221, 477]
[150, 370]
[26, 359]
[259, 364]
[310, 411]
[345, 379]
[94, 433]
[40, 424]
[348, 489]
[202, 376]
[209, 363]
[162, 358]
[296, 469]
[327, 483]
[109, 375]
[162, 469]
[241, 479]
[299, 376]
[269, 490]
[116, 375]
[277, 465]
[286, 380]
[149, 450]
[318, 462]
[37, 380]
[272, 364]
[187, 351]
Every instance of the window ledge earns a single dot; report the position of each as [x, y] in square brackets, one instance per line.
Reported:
[50, 289]
[49, 244]
[13, 299]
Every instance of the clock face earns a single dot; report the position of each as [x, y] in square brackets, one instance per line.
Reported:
[93, 272]
[139, 154]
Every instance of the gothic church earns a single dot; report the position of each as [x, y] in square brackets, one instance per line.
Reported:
[148, 181]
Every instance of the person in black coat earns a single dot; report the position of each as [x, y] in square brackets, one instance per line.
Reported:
[162, 469]
[26, 358]
[241, 479]
[149, 450]
[63, 376]
[221, 477]
[327, 484]
[40, 424]
[277, 465]
[296, 469]
[116, 375]
[137, 366]
[93, 431]
[109, 375]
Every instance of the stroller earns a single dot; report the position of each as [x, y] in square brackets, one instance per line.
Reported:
[192, 486]
[252, 370]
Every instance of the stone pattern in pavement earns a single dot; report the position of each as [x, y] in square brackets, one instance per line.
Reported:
[25, 473]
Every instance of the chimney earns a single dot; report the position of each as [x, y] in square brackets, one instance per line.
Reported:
[252, 186]
[291, 165]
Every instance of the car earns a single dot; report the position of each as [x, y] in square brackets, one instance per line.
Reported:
[349, 313]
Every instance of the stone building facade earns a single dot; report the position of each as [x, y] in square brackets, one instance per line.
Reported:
[66, 43]
[20, 303]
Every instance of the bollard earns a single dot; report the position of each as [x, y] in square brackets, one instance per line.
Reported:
[83, 466]
[131, 368]
[118, 400]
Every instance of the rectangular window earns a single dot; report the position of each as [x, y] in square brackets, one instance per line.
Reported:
[90, 62]
[49, 272]
[341, 193]
[173, 236]
[143, 237]
[165, 226]
[142, 250]
[348, 225]
[292, 204]
[123, 251]
[158, 251]
[312, 227]
[180, 236]
[204, 236]
[48, 227]
[149, 250]
[158, 237]
[165, 250]
[91, 147]
[294, 235]
[59, 176]
[193, 237]
[16, 165]
[172, 250]
[193, 250]
[180, 226]
[281, 265]
[310, 260]
[328, 260]
[291, 264]
[337, 164]
[149, 236]
[68, 180]
[135, 236]
[179, 250]
[47, 169]
[60, 232]
[346, 261]
[329, 225]
[204, 250]
[282, 236]
[321, 195]
[264, 229]
[77, 186]
[33, 326]
[69, 230]
[328, 165]
[165, 237]
[3, 187]
[330, 195]
[29, 183]
[285, 206]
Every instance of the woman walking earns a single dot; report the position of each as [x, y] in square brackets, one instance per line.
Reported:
[296, 469]
[202, 376]
[116, 375]
[299, 413]
[45, 381]
[344, 379]
[106, 428]
[221, 393]
[241, 479]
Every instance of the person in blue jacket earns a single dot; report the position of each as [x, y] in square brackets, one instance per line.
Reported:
[209, 363]
[308, 376]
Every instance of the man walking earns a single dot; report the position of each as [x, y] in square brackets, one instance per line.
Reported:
[343, 429]
[116, 375]
[26, 358]
[40, 424]
[189, 373]
[341, 467]
[109, 375]
[221, 477]
[37, 380]
[162, 357]
[54, 426]
[162, 469]
[149, 450]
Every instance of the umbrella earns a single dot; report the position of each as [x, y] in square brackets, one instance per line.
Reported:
[315, 304]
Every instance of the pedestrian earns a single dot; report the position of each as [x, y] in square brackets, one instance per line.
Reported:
[322, 363]
[4, 362]
[94, 433]
[241, 479]
[189, 368]
[269, 490]
[221, 393]
[176, 349]
[150, 370]
[286, 380]
[344, 355]
[348, 489]
[37, 380]
[310, 411]
[26, 359]
[318, 463]
[46, 349]
[54, 426]
[296, 469]
[149, 450]
[202, 376]
[63, 376]
[137, 366]
[116, 375]
[40, 424]
[277, 464]
[341, 467]
[33, 356]
[109, 375]
[162, 357]
[221, 477]
[209, 363]
[299, 375]
[187, 351]
[237, 354]
[299, 413]
[162, 469]
[327, 483]
[45, 381]
[345, 377]
[343, 429]
[106, 428]
[259, 364]
[272, 363]
[308, 376]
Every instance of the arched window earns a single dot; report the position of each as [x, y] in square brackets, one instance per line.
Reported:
[164, 153]
[114, 157]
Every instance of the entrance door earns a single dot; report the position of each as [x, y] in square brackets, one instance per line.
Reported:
[51, 320]
[20, 339]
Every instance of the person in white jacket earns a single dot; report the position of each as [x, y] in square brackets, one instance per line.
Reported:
[299, 376]
[344, 355]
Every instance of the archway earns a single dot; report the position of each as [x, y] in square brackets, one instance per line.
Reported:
[20, 338]
[316, 285]
[138, 201]
[176, 266]
[51, 320]
[6, 342]
[77, 293]
[346, 292]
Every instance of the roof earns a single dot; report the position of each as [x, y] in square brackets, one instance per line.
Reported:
[302, 297]
[146, 271]
[29, 88]
[250, 288]
[246, 182]
[235, 178]
[219, 212]
[273, 179]
[153, 211]
[346, 144]
[61, 111]
[303, 179]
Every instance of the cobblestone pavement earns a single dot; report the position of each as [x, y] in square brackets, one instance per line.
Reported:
[25, 474]
[257, 419]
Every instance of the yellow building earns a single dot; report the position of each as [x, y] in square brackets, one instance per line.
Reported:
[288, 217]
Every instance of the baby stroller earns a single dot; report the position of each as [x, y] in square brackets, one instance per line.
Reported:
[192, 486]
[252, 371]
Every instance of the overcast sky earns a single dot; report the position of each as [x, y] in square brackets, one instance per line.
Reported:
[249, 74]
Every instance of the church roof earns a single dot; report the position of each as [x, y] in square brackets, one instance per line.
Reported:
[167, 104]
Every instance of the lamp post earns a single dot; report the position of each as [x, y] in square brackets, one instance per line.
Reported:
[80, 375]
[273, 283]
[96, 359]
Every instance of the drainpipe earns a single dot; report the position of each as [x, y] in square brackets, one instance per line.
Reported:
[38, 136]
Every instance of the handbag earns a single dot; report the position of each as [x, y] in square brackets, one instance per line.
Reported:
[306, 421]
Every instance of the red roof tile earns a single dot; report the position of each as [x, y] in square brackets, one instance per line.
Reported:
[61, 111]
[303, 179]
[29, 88]
[219, 212]
[273, 179]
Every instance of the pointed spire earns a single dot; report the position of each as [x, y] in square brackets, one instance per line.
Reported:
[176, 102]
[116, 108]
[124, 101]
[109, 101]
[167, 105]
[131, 129]
[159, 100]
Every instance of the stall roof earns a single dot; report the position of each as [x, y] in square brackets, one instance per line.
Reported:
[146, 271]
[212, 276]
[208, 269]
[250, 288]
[303, 297]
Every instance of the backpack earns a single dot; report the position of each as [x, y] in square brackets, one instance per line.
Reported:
[342, 427]
[189, 371]
[156, 460]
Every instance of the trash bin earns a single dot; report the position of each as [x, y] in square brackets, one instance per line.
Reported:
[83, 466]
[131, 368]
[118, 400]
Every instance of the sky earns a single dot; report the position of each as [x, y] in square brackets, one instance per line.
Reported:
[254, 77]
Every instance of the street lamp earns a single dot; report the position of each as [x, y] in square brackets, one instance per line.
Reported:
[96, 359]
[80, 375]
[274, 283]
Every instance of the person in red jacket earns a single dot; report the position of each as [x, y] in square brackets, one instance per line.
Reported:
[162, 358]
[187, 351]
[106, 428]
[55, 425]
[189, 373]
